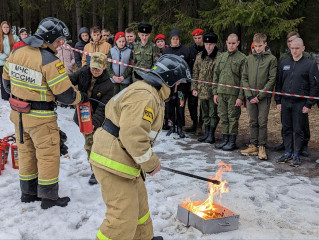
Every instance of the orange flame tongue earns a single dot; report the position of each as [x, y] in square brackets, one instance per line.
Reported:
[206, 209]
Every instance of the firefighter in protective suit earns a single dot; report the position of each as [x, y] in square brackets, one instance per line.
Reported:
[122, 149]
[36, 78]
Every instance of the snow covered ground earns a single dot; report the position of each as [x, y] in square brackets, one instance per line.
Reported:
[271, 204]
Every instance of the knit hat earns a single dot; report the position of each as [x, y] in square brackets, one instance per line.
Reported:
[174, 32]
[118, 35]
[159, 36]
[197, 32]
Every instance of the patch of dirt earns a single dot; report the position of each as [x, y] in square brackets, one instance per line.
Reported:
[309, 167]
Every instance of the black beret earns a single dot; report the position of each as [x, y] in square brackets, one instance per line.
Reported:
[144, 28]
[210, 37]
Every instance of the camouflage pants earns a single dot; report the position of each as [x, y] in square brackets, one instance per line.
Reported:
[88, 143]
[209, 112]
[118, 87]
[229, 114]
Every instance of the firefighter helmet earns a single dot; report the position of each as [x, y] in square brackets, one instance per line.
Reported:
[168, 69]
[50, 29]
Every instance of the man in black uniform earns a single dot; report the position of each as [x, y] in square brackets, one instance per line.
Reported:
[194, 49]
[296, 75]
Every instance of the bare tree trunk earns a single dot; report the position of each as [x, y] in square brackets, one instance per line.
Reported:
[120, 24]
[130, 11]
[94, 12]
[103, 16]
[78, 15]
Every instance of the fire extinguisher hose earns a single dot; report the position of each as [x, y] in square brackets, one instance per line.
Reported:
[191, 175]
[93, 99]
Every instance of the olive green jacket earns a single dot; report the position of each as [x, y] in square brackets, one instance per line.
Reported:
[228, 70]
[259, 72]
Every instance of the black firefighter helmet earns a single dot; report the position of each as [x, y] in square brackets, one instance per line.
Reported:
[50, 29]
[168, 69]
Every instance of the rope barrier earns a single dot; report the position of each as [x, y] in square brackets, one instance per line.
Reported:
[212, 83]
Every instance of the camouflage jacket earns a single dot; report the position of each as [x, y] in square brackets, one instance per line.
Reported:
[228, 69]
[145, 56]
[203, 71]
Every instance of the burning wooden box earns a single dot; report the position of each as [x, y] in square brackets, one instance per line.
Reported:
[219, 220]
[208, 216]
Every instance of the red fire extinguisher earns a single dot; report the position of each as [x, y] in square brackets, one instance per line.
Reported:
[15, 156]
[2, 163]
[84, 116]
[6, 145]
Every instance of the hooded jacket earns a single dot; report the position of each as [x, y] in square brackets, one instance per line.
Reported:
[80, 45]
[259, 72]
[92, 47]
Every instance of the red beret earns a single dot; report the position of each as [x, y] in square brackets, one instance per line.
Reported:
[197, 32]
[159, 36]
[118, 35]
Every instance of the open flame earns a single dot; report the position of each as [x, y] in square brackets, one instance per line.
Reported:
[206, 209]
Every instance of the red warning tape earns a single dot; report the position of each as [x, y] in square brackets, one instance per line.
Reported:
[107, 59]
[218, 84]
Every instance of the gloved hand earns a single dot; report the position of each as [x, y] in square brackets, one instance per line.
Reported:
[84, 97]
[63, 136]
[63, 147]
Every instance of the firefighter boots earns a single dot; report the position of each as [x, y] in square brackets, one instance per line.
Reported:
[92, 180]
[27, 198]
[231, 145]
[61, 202]
[203, 138]
[262, 155]
[250, 151]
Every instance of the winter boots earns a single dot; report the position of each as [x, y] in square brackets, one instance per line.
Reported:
[206, 133]
[224, 142]
[171, 130]
[250, 151]
[211, 135]
[231, 145]
[180, 132]
[61, 202]
[262, 155]
[27, 198]
[92, 180]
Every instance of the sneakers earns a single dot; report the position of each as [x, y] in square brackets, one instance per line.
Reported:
[60, 202]
[262, 155]
[284, 158]
[296, 162]
[250, 151]
[27, 198]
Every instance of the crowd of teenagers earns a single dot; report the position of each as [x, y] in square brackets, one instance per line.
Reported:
[295, 72]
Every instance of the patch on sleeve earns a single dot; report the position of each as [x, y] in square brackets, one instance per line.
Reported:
[60, 67]
[148, 114]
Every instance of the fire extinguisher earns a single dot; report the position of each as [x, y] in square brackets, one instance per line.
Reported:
[2, 163]
[84, 117]
[15, 156]
[7, 148]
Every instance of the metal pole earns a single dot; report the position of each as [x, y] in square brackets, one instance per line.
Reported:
[191, 175]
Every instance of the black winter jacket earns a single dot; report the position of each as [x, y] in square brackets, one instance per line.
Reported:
[102, 91]
[80, 45]
[300, 78]
[193, 51]
[181, 51]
